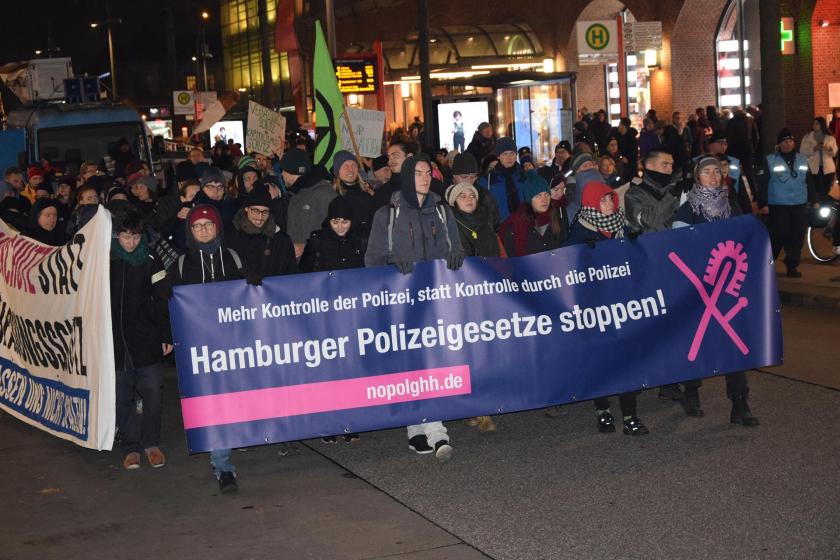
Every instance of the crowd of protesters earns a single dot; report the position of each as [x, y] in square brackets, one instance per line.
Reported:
[248, 216]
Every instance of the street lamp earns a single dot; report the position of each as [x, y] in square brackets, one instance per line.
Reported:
[204, 52]
[108, 22]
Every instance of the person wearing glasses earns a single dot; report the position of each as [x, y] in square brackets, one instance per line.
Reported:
[264, 249]
[417, 226]
[214, 192]
[207, 260]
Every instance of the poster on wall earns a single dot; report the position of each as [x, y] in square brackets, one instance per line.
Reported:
[458, 122]
[224, 131]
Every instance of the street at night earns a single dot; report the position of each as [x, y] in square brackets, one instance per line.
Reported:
[420, 280]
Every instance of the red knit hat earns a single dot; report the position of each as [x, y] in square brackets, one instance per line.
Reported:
[206, 212]
[34, 171]
[594, 192]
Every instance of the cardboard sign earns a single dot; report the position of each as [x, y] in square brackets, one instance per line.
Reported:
[367, 127]
[266, 130]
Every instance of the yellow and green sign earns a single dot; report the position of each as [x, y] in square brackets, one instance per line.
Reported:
[597, 37]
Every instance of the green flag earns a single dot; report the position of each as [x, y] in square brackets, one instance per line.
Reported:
[329, 103]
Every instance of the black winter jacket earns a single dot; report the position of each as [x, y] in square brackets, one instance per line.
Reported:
[325, 250]
[268, 252]
[139, 314]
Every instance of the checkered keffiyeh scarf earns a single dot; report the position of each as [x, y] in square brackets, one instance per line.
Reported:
[613, 224]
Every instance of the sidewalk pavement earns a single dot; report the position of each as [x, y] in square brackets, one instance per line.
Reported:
[819, 287]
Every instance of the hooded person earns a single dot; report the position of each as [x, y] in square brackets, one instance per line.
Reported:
[209, 260]
[712, 200]
[417, 226]
[600, 216]
[246, 177]
[337, 245]
[482, 142]
[44, 225]
[14, 211]
[143, 189]
[142, 337]
[264, 249]
[505, 181]
[538, 225]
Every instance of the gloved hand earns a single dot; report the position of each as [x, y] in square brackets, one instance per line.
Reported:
[253, 278]
[454, 262]
[591, 242]
[405, 267]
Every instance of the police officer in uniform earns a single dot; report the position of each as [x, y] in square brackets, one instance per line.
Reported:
[786, 189]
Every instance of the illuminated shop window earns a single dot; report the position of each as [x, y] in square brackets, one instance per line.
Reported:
[738, 56]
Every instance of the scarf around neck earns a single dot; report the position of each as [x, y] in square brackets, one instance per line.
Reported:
[710, 202]
[611, 226]
[134, 258]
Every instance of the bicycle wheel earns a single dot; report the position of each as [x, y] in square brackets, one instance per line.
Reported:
[819, 244]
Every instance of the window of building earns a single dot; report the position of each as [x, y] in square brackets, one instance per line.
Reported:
[191, 82]
[737, 45]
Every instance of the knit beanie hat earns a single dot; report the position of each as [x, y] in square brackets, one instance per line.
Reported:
[526, 159]
[34, 171]
[565, 145]
[464, 164]
[257, 197]
[534, 185]
[706, 161]
[483, 125]
[339, 158]
[340, 207]
[453, 192]
[148, 182]
[504, 144]
[246, 161]
[580, 159]
[205, 212]
[295, 161]
[784, 134]
[380, 162]
[213, 175]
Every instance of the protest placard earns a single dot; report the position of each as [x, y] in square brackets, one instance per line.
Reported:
[367, 126]
[266, 130]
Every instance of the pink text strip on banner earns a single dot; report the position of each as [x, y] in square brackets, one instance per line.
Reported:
[325, 396]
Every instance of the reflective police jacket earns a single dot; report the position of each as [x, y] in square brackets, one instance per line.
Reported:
[784, 184]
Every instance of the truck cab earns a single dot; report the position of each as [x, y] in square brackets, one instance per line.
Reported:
[68, 134]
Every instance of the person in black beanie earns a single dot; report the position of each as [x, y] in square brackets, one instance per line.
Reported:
[336, 245]
[264, 249]
[381, 171]
[785, 191]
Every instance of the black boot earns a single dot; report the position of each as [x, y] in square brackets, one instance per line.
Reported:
[741, 412]
[691, 403]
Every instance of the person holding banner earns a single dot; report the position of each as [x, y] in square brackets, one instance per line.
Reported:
[208, 260]
[43, 223]
[263, 248]
[417, 226]
[142, 337]
[710, 200]
[538, 225]
[601, 218]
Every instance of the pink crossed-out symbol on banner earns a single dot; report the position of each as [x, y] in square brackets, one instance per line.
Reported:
[725, 271]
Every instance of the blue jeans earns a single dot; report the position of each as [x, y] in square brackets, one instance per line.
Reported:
[220, 462]
[146, 381]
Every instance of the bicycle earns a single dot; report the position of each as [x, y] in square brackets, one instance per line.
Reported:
[820, 235]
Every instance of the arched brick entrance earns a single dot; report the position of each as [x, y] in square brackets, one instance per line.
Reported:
[693, 54]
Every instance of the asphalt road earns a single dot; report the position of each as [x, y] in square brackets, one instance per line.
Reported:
[538, 488]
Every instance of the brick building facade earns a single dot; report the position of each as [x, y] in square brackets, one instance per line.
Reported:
[686, 76]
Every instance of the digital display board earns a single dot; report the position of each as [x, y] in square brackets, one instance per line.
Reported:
[356, 75]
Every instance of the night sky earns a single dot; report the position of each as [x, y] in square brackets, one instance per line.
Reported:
[139, 41]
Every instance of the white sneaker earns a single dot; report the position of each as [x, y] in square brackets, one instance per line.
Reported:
[443, 451]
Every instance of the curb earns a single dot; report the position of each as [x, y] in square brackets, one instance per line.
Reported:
[811, 300]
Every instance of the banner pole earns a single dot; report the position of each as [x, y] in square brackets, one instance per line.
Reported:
[353, 140]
